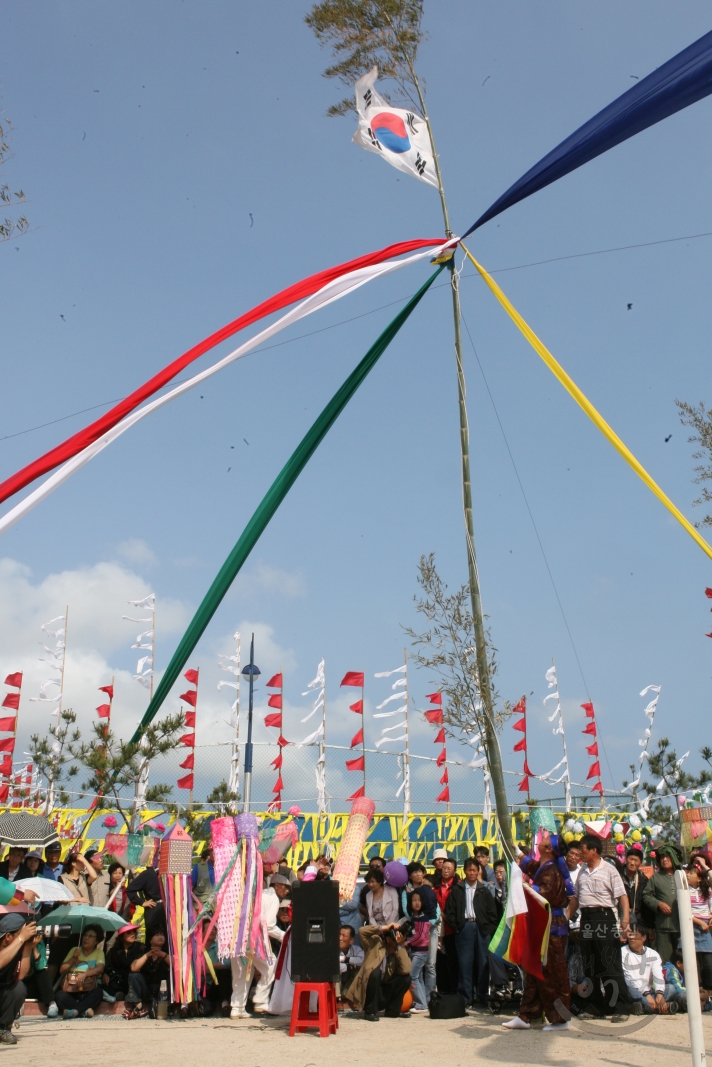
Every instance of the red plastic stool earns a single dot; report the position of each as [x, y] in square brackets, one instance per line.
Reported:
[325, 1017]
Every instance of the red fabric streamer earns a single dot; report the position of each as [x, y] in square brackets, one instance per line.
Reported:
[434, 698]
[12, 700]
[6, 765]
[282, 741]
[360, 792]
[278, 785]
[275, 701]
[358, 764]
[592, 749]
[357, 739]
[597, 788]
[188, 739]
[435, 716]
[293, 293]
[104, 711]
[274, 720]
[590, 729]
[186, 783]
[520, 725]
[275, 682]
[188, 763]
[588, 708]
[441, 758]
[352, 678]
[4, 793]
[524, 785]
[444, 796]
[8, 724]
[357, 707]
[708, 593]
[440, 737]
[15, 680]
[594, 771]
[527, 771]
[191, 676]
[521, 746]
[190, 697]
[108, 689]
[190, 718]
[7, 744]
[445, 778]
[277, 762]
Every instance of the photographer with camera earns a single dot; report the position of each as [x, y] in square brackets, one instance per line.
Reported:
[16, 940]
[82, 968]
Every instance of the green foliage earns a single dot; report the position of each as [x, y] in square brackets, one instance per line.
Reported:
[224, 799]
[367, 33]
[447, 648]
[49, 754]
[116, 766]
[700, 420]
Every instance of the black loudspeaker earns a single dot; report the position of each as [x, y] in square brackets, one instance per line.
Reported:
[315, 932]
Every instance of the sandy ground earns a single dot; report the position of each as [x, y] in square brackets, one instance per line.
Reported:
[389, 1043]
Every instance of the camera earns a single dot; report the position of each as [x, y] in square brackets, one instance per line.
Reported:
[57, 930]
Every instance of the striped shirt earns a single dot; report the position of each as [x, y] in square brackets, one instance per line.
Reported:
[600, 887]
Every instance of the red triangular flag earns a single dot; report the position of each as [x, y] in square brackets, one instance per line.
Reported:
[188, 739]
[445, 778]
[520, 708]
[6, 765]
[360, 792]
[708, 593]
[524, 785]
[278, 785]
[444, 796]
[275, 682]
[597, 788]
[708, 635]
[352, 678]
[188, 763]
[282, 741]
[594, 771]
[355, 764]
[191, 676]
[104, 711]
[441, 758]
[590, 729]
[275, 701]
[108, 689]
[190, 697]
[434, 698]
[277, 762]
[12, 700]
[526, 768]
[357, 739]
[7, 744]
[190, 718]
[15, 680]
[4, 792]
[8, 724]
[521, 724]
[185, 783]
[435, 716]
[274, 720]
[357, 707]
[592, 749]
[521, 746]
[439, 738]
[588, 708]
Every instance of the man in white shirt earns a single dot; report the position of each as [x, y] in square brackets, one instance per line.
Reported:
[599, 894]
[643, 970]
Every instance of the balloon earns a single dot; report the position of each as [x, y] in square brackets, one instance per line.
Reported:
[395, 874]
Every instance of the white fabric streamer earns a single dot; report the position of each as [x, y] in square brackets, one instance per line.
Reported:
[147, 602]
[648, 688]
[399, 683]
[551, 696]
[551, 677]
[128, 619]
[334, 290]
[390, 729]
[393, 696]
[387, 674]
[384, 739]
[230, 685]
[312, 737]
[390, 714]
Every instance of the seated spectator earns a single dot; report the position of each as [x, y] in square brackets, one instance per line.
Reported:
[284, 915]
[147, 973]
[16, 939]
[350, 955]
[202, 877]
[34, 863]
[382, 903]
[119, 958]
[644, 977]
[219, 977]
[38, 981]
[77, 875]
[82, 969]
[675, 992]
[387, 985]
[13, 866]
[282, 886]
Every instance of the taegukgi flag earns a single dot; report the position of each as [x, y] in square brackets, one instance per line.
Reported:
[399, 136]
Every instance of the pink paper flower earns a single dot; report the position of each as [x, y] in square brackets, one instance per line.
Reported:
[160, 827]
[110, 822]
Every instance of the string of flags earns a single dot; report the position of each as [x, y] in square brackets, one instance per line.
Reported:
[434, 716]
[191, 699]
[274, 720]
[649, 712]
[144, 668]
[356, 679]
[56, 664]
[233, 666]
[558, 718]
[8, 724]
[319, 735]
[520, 708]
[400, 687]
[594, 771]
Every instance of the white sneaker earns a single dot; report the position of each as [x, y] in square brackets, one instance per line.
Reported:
[516, 1024]
[556, 1026]
[236, 1013]
[52, 1011]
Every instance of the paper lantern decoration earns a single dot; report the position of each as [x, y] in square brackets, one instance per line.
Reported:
[634, 821]
[569, 824]
[618, 837]
[617, 827]
[110, 822]
[636, 835]
[351, 851]
[176, 852]
[568, 836]
[541, 819]
[578, 828]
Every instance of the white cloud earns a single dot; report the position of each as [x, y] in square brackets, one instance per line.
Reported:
[265, 579]
[137, 552]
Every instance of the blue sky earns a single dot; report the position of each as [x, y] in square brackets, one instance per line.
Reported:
[145, 138]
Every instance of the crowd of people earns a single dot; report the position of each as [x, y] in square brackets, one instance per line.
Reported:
[613, 948]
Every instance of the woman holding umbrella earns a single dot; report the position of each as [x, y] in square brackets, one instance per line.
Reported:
[81, 990]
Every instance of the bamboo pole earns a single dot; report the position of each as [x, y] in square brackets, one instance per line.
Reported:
[406, 762]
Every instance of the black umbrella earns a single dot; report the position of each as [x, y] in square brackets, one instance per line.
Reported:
[27, 831]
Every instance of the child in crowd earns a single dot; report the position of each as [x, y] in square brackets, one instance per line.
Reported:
[422, 909]
[643, 970]
[701, 922]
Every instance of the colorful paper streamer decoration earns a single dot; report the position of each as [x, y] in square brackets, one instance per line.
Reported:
[351, 851]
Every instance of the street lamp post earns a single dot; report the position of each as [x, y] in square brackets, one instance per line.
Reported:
[250, 672]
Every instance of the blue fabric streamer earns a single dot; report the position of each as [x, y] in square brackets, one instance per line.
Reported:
[683, 80]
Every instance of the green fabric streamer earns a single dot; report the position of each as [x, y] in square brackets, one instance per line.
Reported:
[270, 502]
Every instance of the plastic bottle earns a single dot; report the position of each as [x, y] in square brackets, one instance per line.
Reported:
[162, 1005]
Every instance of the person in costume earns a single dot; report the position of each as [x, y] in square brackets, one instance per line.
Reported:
[660, 897]
[551, 878]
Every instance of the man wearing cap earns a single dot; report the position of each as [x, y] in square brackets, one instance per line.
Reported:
[439, 857]
[279, 889]
[16, 937]
[53, 866]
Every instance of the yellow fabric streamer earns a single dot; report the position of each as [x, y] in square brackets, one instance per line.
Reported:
[583, 402]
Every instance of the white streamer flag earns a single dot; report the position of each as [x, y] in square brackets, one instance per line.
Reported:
[398, 136]
[649, 712]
